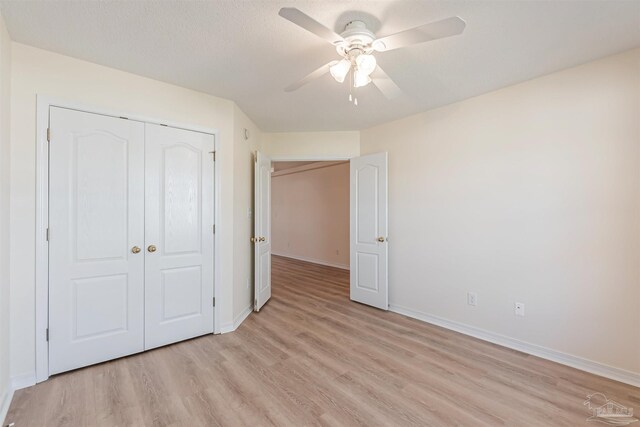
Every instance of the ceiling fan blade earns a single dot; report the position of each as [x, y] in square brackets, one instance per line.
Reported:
[384, 83]
[311, 76]
[308, 23]
[424, 33]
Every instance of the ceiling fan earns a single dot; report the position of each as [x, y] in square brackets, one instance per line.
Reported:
[356, 46]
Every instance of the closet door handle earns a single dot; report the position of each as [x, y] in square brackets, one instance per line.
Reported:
[151, 248]
[135, 249]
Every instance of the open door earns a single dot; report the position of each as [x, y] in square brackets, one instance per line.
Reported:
[262, 231]
[368, 229]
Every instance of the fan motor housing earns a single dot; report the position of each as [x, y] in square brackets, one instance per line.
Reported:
[356, 36]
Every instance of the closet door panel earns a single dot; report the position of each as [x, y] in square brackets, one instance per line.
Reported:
[96, 217]
[179, 235]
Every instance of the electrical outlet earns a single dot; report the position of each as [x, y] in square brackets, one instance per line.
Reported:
[519, 308]
[472, 298]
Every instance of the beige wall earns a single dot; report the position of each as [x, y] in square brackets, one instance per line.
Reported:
[312, 145]
[531, 194]
[310, 215]
[5, 86]
[36, 71]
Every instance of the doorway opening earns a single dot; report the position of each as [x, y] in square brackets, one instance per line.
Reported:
[367, 197]
[310, 228]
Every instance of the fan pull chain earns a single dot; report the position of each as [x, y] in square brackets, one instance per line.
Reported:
[352, 98]
[350, 85]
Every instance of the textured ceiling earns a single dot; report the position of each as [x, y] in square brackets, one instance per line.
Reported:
[242, 50]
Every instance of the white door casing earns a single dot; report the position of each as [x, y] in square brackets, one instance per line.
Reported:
[96, 217]
[368, 229]
[262, 230]
[179, 235]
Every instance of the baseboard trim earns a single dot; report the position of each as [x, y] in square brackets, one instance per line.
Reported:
[6, 403]
[586, 365]
[313, 261]
[232, 326]
[23, 381]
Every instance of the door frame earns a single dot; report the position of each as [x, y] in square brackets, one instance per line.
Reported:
[43, 105]
[312, 158]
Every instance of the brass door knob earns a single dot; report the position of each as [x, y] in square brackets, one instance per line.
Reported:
[254, 239]
[135, 249]
[262, 239]
[151, 248]
[381, 239]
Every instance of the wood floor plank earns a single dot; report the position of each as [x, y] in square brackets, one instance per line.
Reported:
[311, 357]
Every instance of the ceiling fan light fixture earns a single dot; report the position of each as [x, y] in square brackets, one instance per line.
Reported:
[366, 63]
[360, 78]
[340, 70]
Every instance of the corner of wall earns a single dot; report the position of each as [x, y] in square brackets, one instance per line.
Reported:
[6, 390]
[248, 137]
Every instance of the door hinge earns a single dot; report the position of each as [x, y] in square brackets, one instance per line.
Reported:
[48, 134]
[214, 301]
[214, 229]
[47, 334]
[47, 234]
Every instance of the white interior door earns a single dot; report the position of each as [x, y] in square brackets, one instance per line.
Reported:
[96, 222]
[179, 235]
[368, 260]
[262, 230]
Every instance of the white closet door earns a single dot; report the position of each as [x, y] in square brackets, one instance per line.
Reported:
[369, 251]
[179, 235]
[96, 218]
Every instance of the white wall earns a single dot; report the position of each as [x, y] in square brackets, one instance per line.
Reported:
[310, 215]
[36, 71]
[531, 194]
[312, 145]
[5, 88]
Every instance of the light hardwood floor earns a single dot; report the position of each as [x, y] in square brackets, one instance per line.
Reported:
[312, 357]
